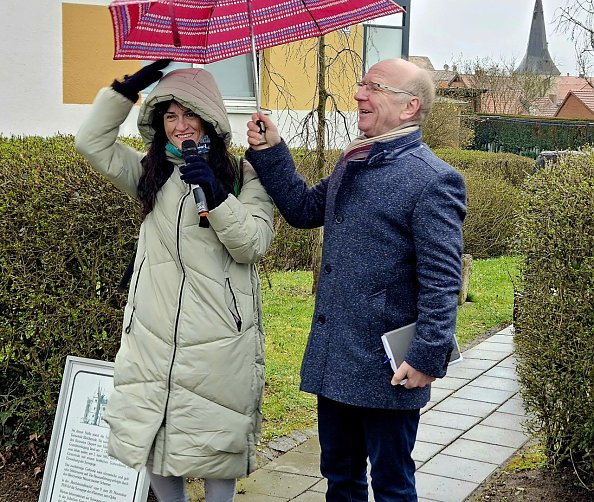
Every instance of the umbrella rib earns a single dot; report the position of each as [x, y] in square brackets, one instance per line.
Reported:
[174, 29]
[310, 15]
[210, 15]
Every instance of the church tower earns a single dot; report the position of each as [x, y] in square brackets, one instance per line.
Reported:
[537, 59]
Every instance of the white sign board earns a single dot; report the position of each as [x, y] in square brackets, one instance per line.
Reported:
[77, 467]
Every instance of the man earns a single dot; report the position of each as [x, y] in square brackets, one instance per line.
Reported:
[392, 214]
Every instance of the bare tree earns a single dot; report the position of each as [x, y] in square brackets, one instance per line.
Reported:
[577, 20]
[505, 91]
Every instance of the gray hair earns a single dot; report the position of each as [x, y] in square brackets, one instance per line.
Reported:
[422, 86]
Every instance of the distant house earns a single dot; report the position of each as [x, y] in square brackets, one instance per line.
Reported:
[422, 62]
[578, 104]
[446, 78]
[543, 107]
[567, 83]
[449, 84]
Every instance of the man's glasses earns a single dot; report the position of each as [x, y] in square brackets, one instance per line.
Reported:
[376, 86]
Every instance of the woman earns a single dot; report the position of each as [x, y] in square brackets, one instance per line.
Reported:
[189, 374]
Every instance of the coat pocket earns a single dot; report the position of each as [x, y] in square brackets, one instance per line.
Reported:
[128, 318]
[232, 304]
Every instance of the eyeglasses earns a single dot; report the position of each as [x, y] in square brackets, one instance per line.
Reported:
[376, 86]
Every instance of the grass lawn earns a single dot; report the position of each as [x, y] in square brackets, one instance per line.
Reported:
[288, 307]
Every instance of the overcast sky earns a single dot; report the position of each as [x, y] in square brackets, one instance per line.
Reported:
[462, 30]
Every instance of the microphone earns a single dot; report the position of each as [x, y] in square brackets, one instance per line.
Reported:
[189, 148]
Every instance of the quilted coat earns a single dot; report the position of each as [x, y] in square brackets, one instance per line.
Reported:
[189, 374]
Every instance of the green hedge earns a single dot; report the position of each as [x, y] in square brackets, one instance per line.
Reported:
[66, 237]
[530, 135]
[509, 167]
[490, 225]
[554, 312]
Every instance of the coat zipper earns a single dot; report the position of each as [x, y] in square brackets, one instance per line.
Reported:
[181, 288]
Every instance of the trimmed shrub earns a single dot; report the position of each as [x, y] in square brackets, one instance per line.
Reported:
[493, 182]
[510, 167]
[554, 311]
[66, 238]
[446, 125]
[490, 225]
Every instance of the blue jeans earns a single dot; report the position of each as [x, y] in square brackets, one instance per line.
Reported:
[350, 434]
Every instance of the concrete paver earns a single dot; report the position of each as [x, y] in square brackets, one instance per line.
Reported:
[443, 489]
[476, 450]
[452, 420]
[472, 424]
[465, 469]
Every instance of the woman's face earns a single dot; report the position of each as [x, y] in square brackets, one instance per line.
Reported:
[182, 124]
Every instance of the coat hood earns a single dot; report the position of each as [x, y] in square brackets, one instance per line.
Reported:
[193, 88]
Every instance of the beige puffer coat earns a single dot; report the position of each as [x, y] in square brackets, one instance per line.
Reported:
[189, 374]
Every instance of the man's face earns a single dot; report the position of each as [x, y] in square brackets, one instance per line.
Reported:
[381, 110]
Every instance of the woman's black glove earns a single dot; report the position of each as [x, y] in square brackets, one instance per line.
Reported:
[196, 171]
[144, 77]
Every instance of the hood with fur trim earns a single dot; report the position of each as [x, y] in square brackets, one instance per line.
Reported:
[193, 88]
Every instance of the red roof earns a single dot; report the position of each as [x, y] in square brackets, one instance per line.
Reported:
[585, 96]
[566, 84]
[543, 107]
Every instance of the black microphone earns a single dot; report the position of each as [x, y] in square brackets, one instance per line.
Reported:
[189, 149]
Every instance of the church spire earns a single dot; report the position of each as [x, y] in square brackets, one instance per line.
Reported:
[537, 59]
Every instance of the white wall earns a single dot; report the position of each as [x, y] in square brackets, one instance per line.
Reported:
[31, 61]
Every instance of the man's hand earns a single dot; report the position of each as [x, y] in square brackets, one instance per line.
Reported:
[410, 378]
[259, 140]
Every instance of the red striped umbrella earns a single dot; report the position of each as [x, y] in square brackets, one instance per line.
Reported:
[204, 31]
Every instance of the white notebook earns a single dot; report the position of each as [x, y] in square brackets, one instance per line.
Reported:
[397, 341]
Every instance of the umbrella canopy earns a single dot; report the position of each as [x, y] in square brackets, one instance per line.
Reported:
[205, 31]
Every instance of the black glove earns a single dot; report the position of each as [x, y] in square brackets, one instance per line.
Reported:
[196, 171]
[144, 77]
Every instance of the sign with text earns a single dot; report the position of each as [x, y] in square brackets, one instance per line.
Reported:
[77, 467]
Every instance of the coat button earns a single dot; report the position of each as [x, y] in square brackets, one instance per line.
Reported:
[328, 268]
[339, 219]
[321, 319]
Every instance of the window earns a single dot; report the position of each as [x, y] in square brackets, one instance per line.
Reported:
[381, 42]
[234, 76]
[386, 37]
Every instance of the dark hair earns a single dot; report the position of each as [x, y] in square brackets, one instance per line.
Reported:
[157, 169]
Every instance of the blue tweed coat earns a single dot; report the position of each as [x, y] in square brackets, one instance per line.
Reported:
[391, 255]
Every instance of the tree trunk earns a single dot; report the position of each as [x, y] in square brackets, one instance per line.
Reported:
[320, 156]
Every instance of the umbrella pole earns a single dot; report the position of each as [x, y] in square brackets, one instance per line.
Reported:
[254, 56]
[255, 68]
